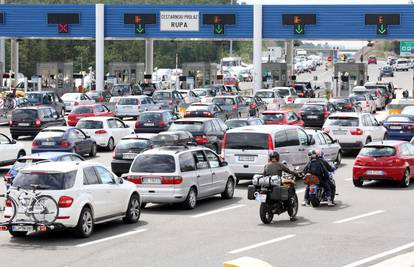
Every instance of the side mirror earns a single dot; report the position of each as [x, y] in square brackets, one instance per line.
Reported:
[87, 136]
[13, 141]
[126, 126]
[121, 179]
[311, 141]
[224, 164]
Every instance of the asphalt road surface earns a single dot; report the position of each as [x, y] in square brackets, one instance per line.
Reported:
[367, 225]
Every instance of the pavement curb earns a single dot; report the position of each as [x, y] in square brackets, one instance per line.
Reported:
[404, 260]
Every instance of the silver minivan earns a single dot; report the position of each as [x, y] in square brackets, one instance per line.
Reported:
[181, 175]
[247, 149]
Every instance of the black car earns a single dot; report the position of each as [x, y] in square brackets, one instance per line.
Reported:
[256, 104]
[303, 91]
[127, 149]
[47, 98]
[387, 71]
[29, 121]
[315, 114]
[235, 123]
[208, 132]
[346, 104]
[209, 110]
[154, 121]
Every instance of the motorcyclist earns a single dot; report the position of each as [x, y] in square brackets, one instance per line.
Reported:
[320, 168]
[331, 181]
[274, 167]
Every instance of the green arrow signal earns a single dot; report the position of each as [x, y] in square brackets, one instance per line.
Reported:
[219, 29]
[298, 29]
[140, 28]
[382, 29]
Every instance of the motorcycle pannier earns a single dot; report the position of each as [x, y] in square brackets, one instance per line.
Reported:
[250, 192]
[279, 193]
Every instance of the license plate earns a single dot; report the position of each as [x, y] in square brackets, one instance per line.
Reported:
[261, 198]
[339, 132]
[246, 158]
[374, 172]
[23, 124]
[48, 143]
[22, 228]
[151, 180]
[395, 127]
[129, 155]
[149, 124]
[312, 117]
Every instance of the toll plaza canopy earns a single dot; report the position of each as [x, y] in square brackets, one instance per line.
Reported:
[208, 22]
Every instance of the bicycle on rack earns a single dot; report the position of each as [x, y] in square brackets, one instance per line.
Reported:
[42, 208]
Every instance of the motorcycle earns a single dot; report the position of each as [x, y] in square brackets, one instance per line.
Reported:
[276, 196]
[317, 193]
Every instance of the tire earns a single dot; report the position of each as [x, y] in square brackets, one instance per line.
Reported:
[405, 182]
[21, 153]
[266, 214]
[51, 206]
[339, 158]
[110, 145]
[314, 200]
[229, 189]
[133, 211]
[357, 183]
[18, 234]
[85, 225]
[93, 150]
[191, 200]
[143, 205]
[293, 206]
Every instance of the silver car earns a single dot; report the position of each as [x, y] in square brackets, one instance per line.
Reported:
[181, 175]
[325, 143]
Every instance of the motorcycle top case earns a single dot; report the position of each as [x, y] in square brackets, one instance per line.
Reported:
[266, 181]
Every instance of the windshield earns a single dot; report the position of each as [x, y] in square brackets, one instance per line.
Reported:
[342, 121]
[265, 94]
[273, 117]
[299, 88]
[283, 92]
[223, 101]
[154, 164]
[190, 126]
[312, 108]
[45, 181]
[247, 141]
[50, 134]
[71, 96]
[82, 110]
[378, 151]
[235, 123]
[161, 96]
[127, 144]
[360, 97]
[34, 98]
[128, 101]
[24, 114]
[85, 124]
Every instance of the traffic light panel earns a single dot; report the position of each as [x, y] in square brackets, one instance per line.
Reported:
[63, 20]
[299, 21]
[382, 21]
[139, 21]
[219, 20]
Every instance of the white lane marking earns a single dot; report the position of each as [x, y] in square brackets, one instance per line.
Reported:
[110, 238]
[348, 179]
[217, 211]
[261, 244]
[360, 216]
[300, 191]
[381, 255]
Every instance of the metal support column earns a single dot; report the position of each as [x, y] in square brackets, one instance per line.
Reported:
[99, 48]
[14, 61]
[149, 56]
[2, 49]
[257, 47]
[289, 60]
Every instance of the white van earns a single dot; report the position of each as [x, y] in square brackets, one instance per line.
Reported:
[247, 149]
[132, 106]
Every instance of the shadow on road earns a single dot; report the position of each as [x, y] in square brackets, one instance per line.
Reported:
[386, 185]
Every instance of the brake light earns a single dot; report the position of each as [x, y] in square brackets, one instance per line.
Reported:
[100, 132]
[135, 179]
[270, 146]
[253, 105]
[171, 180]
[162, 124]
[9, 203]
[206, 113]
[101, 98]
[65, 202]
[398, 161]
[234, 107]
[64, 144]
[359, 162]
[348, 106]
[289, 99]
[187, 113]
[202, 140]
[35, 143]
[409, 127]
[38, 123]
[137, 124]
[357, 131]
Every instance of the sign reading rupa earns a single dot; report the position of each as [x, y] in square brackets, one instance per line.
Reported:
[179, 21]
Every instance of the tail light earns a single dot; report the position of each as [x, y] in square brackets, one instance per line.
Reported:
[171, 180]
[202, 140]
[357, 131]
[206, 113]
[326, 114]
[253, 105]
[100, 132]
[289, 99]
[38, 123]
[359, 162]
[223, 146]
[187, 113]
[270, 146]
[65, 202]
[135, 179]
[234, 107]
[8, 203]
[162, 124]
[137, 124]
[397, 161]
[409, 127]
[64, 144]
[10, 123]
[35, 143]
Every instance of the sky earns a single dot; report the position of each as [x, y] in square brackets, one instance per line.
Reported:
[348, 44]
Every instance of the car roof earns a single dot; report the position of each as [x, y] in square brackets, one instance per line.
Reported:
[47, 155]
[139, 136]
[62, 128]
[387, 143]
[195, 119]
[156, 111]
[262, 128]
[41, 92]
[244, 119]
[172, 150]
[347, 114]
[59, 167]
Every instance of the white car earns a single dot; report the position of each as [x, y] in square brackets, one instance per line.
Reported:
[402, 64]
[106, 131]
[189, 96]
[288, 93]
[86, 193]
[354, 130]
[271, 97]
[132, 106]
[366, 102]
[74, 99]
[10, 150]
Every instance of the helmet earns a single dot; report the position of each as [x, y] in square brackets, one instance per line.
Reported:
[312, 154]
[274, 155]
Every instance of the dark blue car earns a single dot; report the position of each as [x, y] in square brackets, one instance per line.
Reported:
[64, 139]
[400, 127]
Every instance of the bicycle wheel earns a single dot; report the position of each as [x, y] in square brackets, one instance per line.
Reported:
[10, 209]
[44, 209]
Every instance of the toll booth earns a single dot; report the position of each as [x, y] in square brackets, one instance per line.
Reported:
[202, 73]
[349, 75]
[274, 74]
[57, 76]
[124, 72]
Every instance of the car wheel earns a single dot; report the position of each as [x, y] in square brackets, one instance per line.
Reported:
[134, 210]
[21, 154]
[357, 183]
[93, 150]
[85, 225]
[191, 200]
[339, 158]
[18, 234]
[143, 205]
[110, 145]
[228, 190]
[406, 179]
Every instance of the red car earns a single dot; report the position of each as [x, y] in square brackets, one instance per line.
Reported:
[83, 111]
[372, 60]
[387, 160]
[284, 117]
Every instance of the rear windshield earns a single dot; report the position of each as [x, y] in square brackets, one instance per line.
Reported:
[341, 101]
[299, 88]
[223, 101]
[265, 94]
[312, 108]
[402, 62]
[50, 134]
[84, 124]
[378, 151]
[197, 107]
[35, 98]
[161, 96]
[236, 124]
[398, 119]
[200, 92]
[190, 126]
[154, 163]
[128, 101]
[150, 116]
[45, 181]
[24, 114]
[283, 92]
[247, 141]
[342, 121]
[273, 117]
[133, 144]
[82, 110]
[359, 97]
